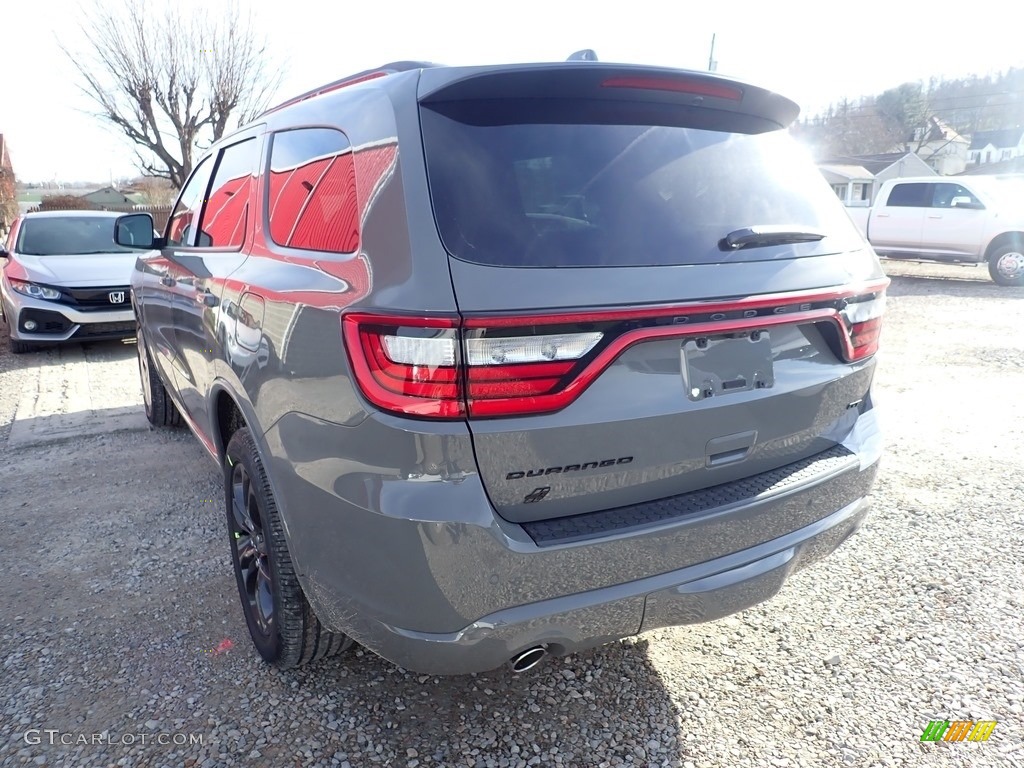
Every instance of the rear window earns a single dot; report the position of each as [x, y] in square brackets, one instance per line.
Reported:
[68, 236]
[517, 185]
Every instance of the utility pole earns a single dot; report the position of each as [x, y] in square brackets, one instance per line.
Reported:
[712, 64]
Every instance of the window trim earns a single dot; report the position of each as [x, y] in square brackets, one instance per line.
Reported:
[288, 250]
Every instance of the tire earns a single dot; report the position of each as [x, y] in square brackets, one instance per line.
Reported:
[21, 347]
[281, 622]
[160, 409]
[1006, 264]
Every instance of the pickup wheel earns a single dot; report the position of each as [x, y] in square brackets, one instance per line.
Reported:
[1006, 264]
[281, 622]
[160, 409]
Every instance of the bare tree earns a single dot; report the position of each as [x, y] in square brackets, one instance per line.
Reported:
[156, 191]
[172, 78]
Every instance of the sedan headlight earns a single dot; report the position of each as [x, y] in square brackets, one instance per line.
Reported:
[35, 291]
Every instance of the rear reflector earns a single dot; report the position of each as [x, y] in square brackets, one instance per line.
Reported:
[695, 87]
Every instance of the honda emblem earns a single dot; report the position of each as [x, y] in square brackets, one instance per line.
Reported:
[116, 297]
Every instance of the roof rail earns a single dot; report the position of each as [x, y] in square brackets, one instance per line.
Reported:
[369, 74]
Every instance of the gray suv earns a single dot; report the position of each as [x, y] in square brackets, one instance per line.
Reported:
[507, 361]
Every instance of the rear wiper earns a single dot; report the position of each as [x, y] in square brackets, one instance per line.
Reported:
[756, 237]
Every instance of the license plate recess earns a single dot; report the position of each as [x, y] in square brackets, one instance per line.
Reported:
[715, 366]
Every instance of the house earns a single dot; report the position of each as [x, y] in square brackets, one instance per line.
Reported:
[880, 168]
[996, 146]
[107, 196]
[8, 189]
[854, 184]
[1013, 167]
[940, 146]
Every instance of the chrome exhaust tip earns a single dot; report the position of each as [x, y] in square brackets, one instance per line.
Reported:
[528, 659]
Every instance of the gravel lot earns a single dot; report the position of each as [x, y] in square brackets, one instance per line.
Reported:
[117, 593]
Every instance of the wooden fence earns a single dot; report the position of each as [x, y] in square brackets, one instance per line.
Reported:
[160, 213]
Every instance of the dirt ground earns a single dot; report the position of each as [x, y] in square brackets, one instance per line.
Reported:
[117, 598]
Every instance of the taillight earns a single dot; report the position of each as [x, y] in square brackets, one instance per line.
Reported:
[407, 365]
[424, 367]
[677, 85]
[512, 373]
[451, 368]
[862, 321]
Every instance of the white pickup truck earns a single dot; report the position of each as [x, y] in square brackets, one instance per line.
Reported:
[967, 220]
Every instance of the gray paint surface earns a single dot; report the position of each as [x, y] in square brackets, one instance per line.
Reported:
[405, 532]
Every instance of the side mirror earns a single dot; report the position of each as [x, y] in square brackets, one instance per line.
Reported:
[135, 230]
[963, 201]
[4, 253]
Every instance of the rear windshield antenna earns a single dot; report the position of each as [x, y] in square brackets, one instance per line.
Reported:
[585, 55]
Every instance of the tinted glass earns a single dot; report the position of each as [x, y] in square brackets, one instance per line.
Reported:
[312, 191]
[180, 226]
[526, 187]
[224, 216]
[910, 196]
[75, 235]
[945, 193]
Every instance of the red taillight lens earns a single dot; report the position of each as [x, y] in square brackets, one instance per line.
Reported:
[862, 320]
[406, 365]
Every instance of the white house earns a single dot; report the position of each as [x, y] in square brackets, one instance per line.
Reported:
[874, 168]
[940, 146]
[996, 146]
[853, 184]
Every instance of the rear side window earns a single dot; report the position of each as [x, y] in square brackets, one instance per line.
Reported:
[227, 206]
[910, 196]
[312, 191]
[615, 184]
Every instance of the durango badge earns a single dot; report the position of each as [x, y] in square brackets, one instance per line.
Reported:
[568, 468]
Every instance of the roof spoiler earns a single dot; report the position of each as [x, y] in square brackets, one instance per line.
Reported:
[581, 79]
[370, 74]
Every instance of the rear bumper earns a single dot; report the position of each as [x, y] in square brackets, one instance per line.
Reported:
[401, 550]
[699, 593]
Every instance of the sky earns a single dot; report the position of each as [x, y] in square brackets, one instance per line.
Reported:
[813, 52]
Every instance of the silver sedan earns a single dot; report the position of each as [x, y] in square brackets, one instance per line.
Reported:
[64, 279]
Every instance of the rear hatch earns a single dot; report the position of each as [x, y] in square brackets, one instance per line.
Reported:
[658, 291]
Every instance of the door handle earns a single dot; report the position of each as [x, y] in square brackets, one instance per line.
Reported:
[168, 281]
[206, 298]
[934, 215]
